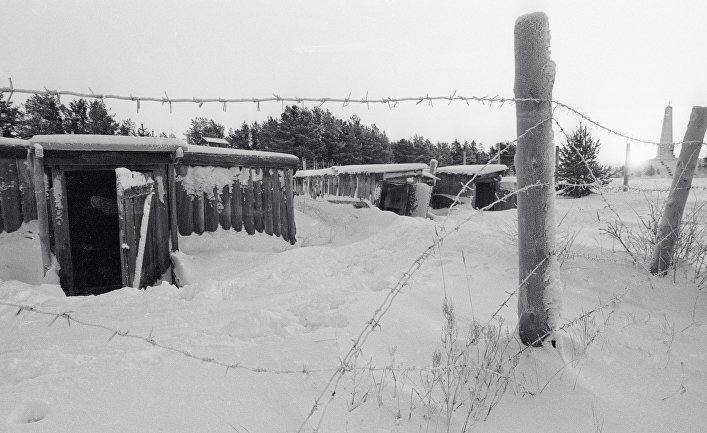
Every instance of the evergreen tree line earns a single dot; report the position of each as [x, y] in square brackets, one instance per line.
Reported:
[317, 135]
[311, 134]
[44, 114]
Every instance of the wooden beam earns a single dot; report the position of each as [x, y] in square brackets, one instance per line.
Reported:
[40, 198]
[24, 173]
[62, 238]
[115, 159]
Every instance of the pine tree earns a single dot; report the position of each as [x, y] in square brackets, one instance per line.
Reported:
[143, 132]
[239, 138]
[76, 117]
[577, 157]
[10, 118]
[202, 127]
[127, 127]
[100, 121]
[42, 116]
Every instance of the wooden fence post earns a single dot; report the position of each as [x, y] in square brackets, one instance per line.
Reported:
[628, 156]
[680, 189]
[539, 295]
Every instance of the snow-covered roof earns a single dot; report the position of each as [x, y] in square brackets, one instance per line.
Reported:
[237, 152]
[13, 143]
[363, 169]
[311, 173]
[84, 142]
[472, 169]
[226, 157]
[215, 140]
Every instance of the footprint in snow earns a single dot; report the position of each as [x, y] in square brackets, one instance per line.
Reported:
[29, 412]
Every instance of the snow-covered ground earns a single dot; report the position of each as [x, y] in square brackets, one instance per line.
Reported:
[265, 305]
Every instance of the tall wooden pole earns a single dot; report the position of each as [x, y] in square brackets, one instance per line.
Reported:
[539, 296]
[680, 189]
[628, 157]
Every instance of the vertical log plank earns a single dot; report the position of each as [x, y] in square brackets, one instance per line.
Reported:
[10, 195]
[258, 200]
[237, 205]
[276, 201]
[184, 205]
[292, 230]
[267, 201]
[248, 204]
[198, 209]
[225, 210]
[284, 226]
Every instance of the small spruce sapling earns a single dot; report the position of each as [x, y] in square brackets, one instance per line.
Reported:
[578, 171]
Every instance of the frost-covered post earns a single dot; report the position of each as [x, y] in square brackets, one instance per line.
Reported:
[539, 296]
[628, 156]
[680, 189]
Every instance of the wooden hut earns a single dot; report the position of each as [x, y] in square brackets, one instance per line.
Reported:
[482, 185]
[111, 207]
[401, 188]
[213, 142]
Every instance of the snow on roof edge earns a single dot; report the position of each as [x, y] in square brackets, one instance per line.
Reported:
[363, 168]
[14, 142]
[84, 142]
[195, 149]
[472, 169]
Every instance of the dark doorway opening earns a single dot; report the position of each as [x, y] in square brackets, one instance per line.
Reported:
[394, 198]
[93, 231]
[484, 194]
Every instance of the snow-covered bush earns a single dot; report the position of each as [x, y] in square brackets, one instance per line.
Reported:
[639, 239]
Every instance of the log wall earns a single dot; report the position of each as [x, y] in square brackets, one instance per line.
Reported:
[365, 187]
[17, 200]
[258, 199]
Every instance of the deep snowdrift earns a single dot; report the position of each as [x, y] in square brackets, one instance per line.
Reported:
[263, 304]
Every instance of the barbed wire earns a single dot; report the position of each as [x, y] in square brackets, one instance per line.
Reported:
[387, 303]
[390, 102]
[150, 339]
[345, 364]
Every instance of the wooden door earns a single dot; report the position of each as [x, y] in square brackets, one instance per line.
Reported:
[136, 221]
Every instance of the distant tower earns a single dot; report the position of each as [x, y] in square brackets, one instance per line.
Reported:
[666, 148]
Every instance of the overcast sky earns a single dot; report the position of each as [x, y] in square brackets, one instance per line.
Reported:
[620, 62]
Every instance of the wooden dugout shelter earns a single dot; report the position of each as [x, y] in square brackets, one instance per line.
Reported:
[482, 190]
[392, 187]
[93, 193]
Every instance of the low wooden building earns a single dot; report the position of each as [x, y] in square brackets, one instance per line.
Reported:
[401, 188]
[476, 185]
[111, 207]
[213, 142]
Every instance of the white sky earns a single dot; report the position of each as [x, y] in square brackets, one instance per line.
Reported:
[620, 62]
